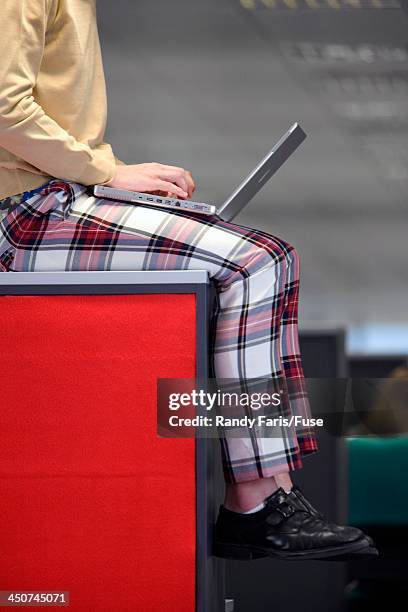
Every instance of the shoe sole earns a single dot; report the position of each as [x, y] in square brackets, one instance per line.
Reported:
[365, 555]
[240, 552]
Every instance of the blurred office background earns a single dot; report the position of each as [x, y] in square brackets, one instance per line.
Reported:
[211, 85]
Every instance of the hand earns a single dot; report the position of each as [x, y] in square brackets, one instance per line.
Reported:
[154, 178]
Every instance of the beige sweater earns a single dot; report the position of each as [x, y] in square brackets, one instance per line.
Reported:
[52, 95]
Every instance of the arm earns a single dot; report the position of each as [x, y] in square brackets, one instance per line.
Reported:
[25, 129]
[28, 132]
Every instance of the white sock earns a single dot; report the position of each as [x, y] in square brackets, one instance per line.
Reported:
[256, 509]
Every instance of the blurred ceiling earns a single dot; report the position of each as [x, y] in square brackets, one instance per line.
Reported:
[212, 84]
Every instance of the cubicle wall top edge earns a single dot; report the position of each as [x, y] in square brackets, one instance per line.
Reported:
[168, 277]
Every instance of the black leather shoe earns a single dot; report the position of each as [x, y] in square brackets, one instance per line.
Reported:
[370, 553]
[285, 529]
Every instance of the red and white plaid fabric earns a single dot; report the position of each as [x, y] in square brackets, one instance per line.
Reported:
[256, 276]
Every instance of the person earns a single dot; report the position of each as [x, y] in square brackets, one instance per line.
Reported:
[52, 123]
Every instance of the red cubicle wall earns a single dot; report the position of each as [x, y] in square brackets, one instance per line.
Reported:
[91, 500]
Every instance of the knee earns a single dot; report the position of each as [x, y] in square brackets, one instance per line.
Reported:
[289, 253]
[262, 252]
[285, 257]
[279, 250]
[292, 254]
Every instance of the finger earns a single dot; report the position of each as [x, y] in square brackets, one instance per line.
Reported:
[169, 186]
[175, 171]
[172, 172]
[177, 180]
[191, 183]
[177, 177]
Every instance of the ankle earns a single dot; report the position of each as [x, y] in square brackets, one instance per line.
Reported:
[245, 496]
[237, 506]
[284, 481]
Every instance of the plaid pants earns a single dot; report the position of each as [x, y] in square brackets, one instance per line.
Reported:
[256, 276]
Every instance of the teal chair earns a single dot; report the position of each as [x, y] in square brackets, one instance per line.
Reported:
[378, 470]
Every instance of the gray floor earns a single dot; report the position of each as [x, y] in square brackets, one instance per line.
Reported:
[210, 85]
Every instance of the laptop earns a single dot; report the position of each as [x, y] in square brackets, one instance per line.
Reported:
[238, 199]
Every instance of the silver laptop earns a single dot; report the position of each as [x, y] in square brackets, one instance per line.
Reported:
[266, 168]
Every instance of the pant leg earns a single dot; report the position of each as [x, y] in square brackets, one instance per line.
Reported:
[290, 348]
[247, 347]
[257, 336]
[291, 356]
[63, 228]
